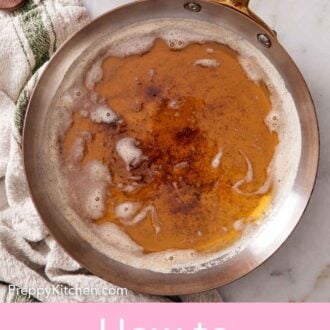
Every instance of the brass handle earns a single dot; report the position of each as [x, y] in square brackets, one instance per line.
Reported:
[243, 7]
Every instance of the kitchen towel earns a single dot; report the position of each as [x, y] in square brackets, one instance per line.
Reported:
[32, 265]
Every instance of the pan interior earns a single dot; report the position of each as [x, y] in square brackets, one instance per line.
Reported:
[137, 38]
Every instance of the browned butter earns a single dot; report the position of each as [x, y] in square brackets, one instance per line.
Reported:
[199, 122]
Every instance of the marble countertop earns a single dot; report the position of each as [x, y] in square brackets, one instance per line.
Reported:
[300, 270]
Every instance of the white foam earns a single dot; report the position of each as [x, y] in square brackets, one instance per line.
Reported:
[96, 178]
[64, 121]
[127, 214]
[98, 171]
[130, 214]
[126, 210]
[95, 203]
[78, 150]
[103, 114]
[94, 75]
[72, 97]
[84, 113]
[173, 104]
[96, 98]
[135, 177]
[273, 121]
[149, 209]
[152, 73]
[86, 135]
[79, 146]
[88, 187]
[217, 159]
[248, 177]
[207, 63]
[251, 67]
[239, 225]
[180, 165]
[129, 188]
[129, 152]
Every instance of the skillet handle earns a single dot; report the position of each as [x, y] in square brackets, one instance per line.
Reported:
[243, 7]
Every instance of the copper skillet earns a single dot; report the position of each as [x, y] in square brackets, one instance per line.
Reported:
[236, 16]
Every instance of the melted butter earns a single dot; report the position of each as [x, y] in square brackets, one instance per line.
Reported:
[182, 114]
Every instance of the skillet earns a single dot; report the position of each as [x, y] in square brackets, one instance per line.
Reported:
[229, 14]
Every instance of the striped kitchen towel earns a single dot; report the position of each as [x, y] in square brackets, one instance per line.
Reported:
[32, 265]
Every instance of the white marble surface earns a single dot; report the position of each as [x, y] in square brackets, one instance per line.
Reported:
[300, 270]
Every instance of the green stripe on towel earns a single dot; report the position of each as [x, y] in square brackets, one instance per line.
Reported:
[23, 101]
[52, 27]
[36, 35]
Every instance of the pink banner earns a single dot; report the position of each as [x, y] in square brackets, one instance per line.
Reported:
[165, 316]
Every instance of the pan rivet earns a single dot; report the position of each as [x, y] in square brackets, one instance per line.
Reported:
[193, 6]
[265, 40]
